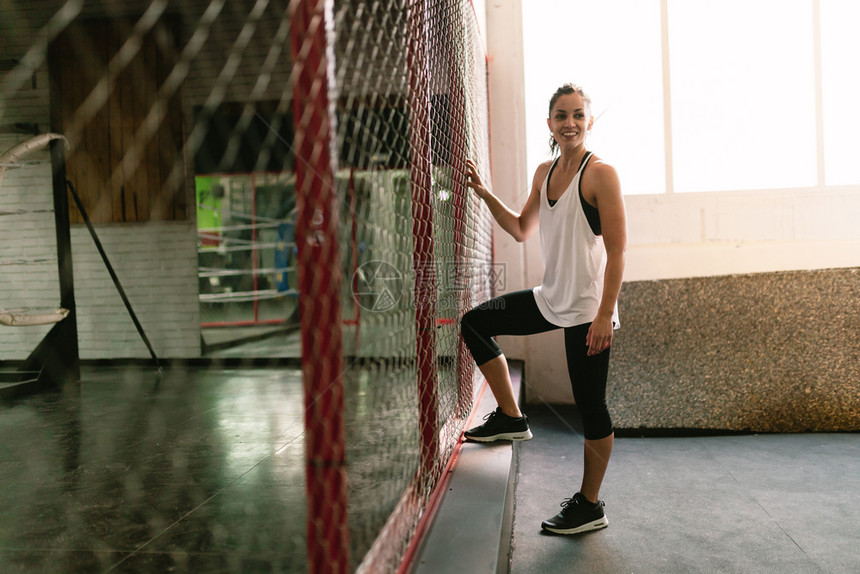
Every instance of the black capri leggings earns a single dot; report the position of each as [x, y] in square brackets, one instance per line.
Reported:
[517, 313]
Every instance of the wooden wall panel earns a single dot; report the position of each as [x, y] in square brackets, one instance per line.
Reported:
[126, 158]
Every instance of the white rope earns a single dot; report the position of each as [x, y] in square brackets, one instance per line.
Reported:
[216, 272]
[241, 215]
[24, 317]
[243, 246]
[238, 227]
[12, 156]
[245, 296]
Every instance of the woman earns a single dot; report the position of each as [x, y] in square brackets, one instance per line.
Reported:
[576, 203]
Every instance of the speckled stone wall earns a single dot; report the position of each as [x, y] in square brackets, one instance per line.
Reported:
[769, 352]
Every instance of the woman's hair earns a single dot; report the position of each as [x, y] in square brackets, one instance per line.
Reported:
[566, 90]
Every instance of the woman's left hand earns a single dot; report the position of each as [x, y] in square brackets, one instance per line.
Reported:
[599, 337]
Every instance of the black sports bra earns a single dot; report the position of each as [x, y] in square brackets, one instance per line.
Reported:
[591, 212]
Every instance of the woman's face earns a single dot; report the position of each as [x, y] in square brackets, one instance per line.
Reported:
[570, 121]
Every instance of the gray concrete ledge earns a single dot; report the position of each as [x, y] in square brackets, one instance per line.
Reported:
[472, 529]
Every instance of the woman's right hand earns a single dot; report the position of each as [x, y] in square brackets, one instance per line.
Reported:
[473, 180]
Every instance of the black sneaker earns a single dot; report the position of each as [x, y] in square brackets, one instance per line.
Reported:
[577, 515]
[500, 426]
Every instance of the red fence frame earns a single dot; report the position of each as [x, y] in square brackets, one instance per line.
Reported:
[320, 283]
[311, 25]
[459, 152]
[422, 235]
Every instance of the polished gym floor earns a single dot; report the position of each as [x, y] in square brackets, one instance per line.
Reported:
[128, 471]
[201, 470]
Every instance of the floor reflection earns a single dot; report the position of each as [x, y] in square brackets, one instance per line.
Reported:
[202, 472]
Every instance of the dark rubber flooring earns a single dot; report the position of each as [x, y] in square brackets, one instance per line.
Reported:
[772, 503]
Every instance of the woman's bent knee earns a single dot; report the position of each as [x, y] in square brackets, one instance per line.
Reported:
[480, 344]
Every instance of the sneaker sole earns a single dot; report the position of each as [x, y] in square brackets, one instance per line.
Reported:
[527, 435]
[594, 525]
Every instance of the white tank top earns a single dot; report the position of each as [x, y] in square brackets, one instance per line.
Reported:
[574, 259]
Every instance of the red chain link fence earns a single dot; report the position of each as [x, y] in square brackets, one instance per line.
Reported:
[389, 99]
[324, 143]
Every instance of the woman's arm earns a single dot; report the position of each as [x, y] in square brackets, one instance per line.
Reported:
[606, 194]
[521, 225]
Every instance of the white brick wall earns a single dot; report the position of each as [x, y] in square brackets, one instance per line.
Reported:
[29, 237]
[705, 234]
[157, 265]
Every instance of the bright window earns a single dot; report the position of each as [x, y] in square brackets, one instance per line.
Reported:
[743, 82]
[840, 46]
[743, 94]
[612, 49]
